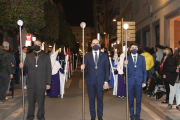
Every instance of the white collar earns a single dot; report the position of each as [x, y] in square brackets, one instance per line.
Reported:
[134, 55]
[95, 51]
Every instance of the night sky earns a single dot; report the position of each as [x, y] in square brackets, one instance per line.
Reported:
[77, 11]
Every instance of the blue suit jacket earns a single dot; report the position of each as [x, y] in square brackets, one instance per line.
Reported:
[136, 75]
[99, 75]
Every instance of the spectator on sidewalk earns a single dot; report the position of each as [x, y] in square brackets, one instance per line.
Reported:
[163, 68]
[5, 70]
[149, 63]
[24, 51]
[172, 77]
[38, 66]
[159, 53]
[16, 55]
[13, 63]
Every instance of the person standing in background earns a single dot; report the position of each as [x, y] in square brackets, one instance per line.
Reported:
[5, 70]
[24, 52]
[16, 55]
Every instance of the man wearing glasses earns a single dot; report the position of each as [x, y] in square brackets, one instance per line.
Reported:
[38, 65]
[97, 77]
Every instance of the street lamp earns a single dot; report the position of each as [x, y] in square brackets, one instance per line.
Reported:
[114, 20]
[126, 26]
[20, 23]
[83, 25]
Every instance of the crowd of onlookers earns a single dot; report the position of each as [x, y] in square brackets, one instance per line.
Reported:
[162, 68]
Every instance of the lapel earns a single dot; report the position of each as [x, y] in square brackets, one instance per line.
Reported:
[131, 61]
[40, 58]
[32, 58]
[100, 57]
[138, 59]
[92, 59]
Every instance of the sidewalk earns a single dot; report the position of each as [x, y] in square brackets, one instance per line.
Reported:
[14, 103]
[160, 109]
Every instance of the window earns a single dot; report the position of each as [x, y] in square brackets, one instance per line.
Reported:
[157, 34]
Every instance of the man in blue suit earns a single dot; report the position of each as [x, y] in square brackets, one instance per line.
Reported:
[136, 79]
[97, 77]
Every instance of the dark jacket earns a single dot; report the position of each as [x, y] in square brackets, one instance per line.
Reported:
[5, 61]
[13, 62]
[99, 75]
[165, 65]
[38, 76]
[16, 55]
[171, 74]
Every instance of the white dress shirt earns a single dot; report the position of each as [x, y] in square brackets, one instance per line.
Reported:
[93, 52]
[133, 56]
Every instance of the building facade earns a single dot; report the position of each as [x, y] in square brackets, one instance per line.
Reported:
[89, 34]
[157, 21]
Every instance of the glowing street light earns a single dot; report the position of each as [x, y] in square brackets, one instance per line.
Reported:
[114, 20]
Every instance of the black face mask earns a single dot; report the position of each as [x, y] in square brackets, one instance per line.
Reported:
[164, 54]
[37, 48]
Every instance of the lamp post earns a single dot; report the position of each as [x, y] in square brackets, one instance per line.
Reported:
[20, 23]
[83, 25]
[126, 26]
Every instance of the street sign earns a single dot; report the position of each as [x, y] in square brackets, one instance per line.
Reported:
[130, 31]
[29, 37]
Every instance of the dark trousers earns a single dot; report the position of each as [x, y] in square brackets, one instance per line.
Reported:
[138, 92]
[4, 83]
[17, 74]
[95, 90]
[167, 89]
[34, 95]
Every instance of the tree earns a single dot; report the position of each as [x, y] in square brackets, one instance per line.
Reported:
[30, 11]
[50, 32]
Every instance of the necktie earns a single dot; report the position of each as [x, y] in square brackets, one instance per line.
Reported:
[96, 60]
[134, 60]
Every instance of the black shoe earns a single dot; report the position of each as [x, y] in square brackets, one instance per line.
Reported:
[178, 107]
[132, 119]
[92, 118]
[100, 118]
[138, 119]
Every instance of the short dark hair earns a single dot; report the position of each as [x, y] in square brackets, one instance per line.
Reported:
[146, 49]
[135, 44]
